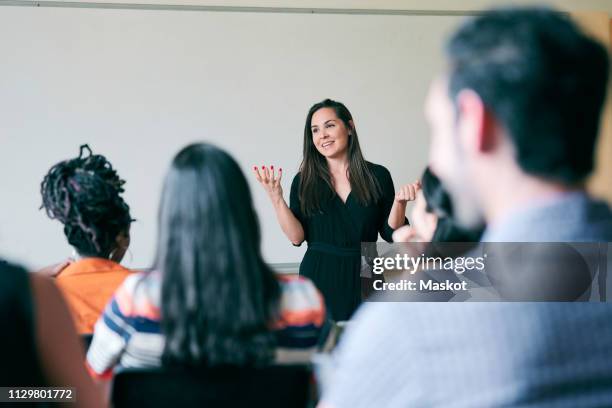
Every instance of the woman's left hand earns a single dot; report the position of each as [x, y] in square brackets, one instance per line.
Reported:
[408, 192]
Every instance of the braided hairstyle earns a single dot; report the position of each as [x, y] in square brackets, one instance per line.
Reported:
[84, 194]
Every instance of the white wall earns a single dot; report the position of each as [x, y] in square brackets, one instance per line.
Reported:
[138, 84]
[441, 5]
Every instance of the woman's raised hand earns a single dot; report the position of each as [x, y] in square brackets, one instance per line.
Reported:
[270, 181]
[408, 192]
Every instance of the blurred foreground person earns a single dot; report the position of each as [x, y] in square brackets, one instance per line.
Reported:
[514, 123]
[39, 344]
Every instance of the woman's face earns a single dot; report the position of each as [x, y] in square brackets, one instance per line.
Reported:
[329, 134]
[423, 222]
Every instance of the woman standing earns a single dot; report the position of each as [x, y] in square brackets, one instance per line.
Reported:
[337, 201]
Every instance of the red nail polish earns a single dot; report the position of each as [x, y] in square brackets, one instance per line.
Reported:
[281, 169]
[263, 167]
[272, 167]
[254, 167]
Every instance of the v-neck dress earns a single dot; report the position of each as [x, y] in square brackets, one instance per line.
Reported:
[334, 237]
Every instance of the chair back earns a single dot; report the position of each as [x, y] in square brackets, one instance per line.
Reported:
[272, 386]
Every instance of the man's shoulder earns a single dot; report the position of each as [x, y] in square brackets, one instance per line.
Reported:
[573, 217]
[472, 323]
[579, 218]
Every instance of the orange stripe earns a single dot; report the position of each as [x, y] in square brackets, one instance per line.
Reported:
[126, 304]
[302, 317]
[106, 375]
[149, 311]
[291, 277]
[124, 301]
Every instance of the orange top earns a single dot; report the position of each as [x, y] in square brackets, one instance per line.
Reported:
[88, 286]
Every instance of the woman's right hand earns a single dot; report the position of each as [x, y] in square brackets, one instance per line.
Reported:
[270, 182]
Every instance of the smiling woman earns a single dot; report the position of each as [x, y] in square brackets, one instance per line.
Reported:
[337, 200]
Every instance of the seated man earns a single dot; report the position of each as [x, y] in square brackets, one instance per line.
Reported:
[514, 123]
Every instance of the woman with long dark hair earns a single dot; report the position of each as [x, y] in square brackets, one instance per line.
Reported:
[337, 201]
[85, 194]
[432, 216]
[210, 298]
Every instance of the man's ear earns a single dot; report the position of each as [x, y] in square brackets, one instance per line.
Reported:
[477, 124]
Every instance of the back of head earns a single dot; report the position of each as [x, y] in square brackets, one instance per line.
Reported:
[218, 296]
[84, 194]
[439, 203]
[542, 78]
[437, 199]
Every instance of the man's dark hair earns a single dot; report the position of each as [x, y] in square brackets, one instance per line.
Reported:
[542, 78]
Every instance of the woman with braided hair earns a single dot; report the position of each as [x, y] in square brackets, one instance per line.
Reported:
[84, 194]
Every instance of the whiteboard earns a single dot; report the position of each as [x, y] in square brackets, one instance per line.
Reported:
[137, 85]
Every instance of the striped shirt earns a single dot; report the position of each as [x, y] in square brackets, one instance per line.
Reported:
[128, 334]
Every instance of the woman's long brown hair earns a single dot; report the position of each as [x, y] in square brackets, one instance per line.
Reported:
[316, 187]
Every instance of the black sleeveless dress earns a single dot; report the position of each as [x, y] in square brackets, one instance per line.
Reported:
[334, 237]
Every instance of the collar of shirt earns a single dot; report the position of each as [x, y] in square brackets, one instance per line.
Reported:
[90, 265]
